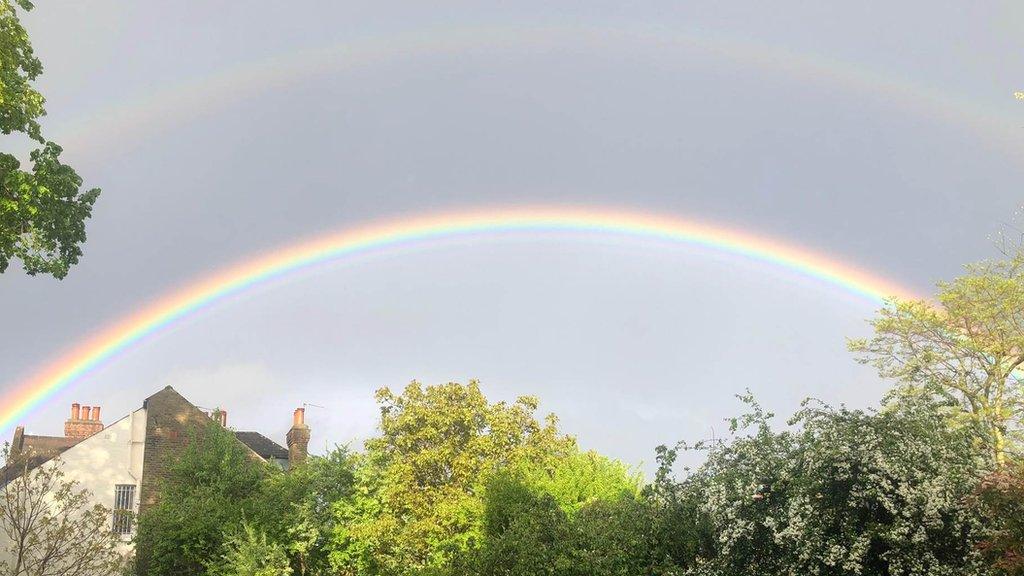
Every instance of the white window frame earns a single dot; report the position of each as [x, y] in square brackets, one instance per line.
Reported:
[123, 521]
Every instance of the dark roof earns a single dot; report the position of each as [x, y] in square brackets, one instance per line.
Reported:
[37, 450]
[51, 445]
[29, 452]
[260, 444]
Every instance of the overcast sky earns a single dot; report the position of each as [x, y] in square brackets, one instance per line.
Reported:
[883, 134]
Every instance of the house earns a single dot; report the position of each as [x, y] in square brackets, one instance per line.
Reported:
[121, 464]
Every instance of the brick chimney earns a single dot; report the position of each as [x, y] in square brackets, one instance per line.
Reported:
[218, 415]
[84, 422]
[298, 439]
[19, 440]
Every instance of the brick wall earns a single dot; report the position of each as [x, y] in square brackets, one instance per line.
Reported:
[298, 445]
[170, 419]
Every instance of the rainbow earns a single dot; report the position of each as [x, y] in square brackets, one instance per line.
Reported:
[102, 132]
[240, 277]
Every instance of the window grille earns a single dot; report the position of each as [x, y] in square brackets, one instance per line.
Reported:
[124, 508]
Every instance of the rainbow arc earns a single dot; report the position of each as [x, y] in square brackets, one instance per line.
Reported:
[206, 292]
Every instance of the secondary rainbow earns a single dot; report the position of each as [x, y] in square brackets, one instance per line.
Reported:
[205, 292]
[106, 131]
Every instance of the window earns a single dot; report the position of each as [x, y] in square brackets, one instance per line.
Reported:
[124, 508]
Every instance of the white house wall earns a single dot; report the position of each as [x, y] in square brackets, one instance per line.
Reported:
[110, 457]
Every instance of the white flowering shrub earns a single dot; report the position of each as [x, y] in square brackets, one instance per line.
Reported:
[842, 492]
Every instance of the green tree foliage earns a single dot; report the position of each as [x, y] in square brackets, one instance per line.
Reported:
[842, 492]
[250, 553]
[455, 485]
[296, 509]
[418, 499]
[681, 530]
[527, 530]
[1001, 496]
[211, 486]
[220, 508]
[20, 104]
[580, 513]
[42, 210]
[620, 538]
[575, 479]
[968, 347]
[524, 534]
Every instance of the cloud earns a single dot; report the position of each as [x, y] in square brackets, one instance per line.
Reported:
[232, 386]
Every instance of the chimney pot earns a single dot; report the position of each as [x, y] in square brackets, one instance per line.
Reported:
[224, 418]
[84, 422]
[299, 418]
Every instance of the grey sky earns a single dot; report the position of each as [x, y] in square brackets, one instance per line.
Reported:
[632, 343]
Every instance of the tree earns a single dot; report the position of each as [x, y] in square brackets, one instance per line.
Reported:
[523, 534]
[50, 527]
[575, 479]
[575, 514]
[1001, 496]
[418, 497]
[295, 509]
[43, 210]
[680, 531]
[568, 524]
[843, 493]
[455, 484]
[619, 538]
[968, 347]
[211, 486]
[250, 553]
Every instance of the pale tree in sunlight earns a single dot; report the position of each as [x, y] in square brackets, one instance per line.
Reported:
[50, 526]
[967, 346]
[418, 499]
